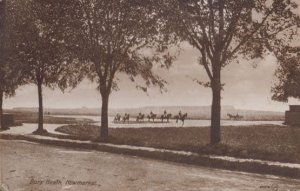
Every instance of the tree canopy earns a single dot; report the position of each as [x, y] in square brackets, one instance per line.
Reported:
[10, 77]
[8, 72]
[288, 75]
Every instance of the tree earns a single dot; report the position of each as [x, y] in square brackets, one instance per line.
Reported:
[2, 15]
[226, 30]
[9, 82]
[288, 74]
[112, 37]
[9, 74]
[41, 57]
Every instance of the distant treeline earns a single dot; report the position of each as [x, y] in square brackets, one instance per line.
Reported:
[194, 112]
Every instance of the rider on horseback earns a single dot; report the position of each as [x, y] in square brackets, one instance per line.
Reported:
[165, 114]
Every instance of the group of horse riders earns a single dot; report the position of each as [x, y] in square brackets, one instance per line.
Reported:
[125, 118]
[153, 116]
[234, 117]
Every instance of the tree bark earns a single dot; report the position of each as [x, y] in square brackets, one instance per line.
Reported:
[215, 131]
[2, 15]
[1, 111]
[41, 110]
[104, 115]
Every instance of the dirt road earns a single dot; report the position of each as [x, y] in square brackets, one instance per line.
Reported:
[28, 166]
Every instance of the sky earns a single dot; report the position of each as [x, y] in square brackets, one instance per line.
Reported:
[246, 87]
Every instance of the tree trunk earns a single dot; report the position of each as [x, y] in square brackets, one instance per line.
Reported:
[104, 115]
[2, 15]
[41, 116]
[215, 131]
[215, 134]
[1, 111]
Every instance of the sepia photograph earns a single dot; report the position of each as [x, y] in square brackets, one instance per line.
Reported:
[149, 95]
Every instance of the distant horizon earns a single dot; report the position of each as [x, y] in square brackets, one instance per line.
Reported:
[166, 106]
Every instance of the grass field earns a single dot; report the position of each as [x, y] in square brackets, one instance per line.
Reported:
[269, 142]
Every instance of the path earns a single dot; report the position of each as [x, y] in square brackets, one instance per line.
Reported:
[23, 162]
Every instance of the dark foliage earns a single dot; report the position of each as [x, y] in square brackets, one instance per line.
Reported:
[10, 77]
[288, 75]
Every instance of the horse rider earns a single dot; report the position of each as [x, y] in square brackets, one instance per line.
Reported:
[179, 114]
[117, 117]
[125, 115]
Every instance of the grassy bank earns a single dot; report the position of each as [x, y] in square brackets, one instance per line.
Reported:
[269, 142]
[200, 160]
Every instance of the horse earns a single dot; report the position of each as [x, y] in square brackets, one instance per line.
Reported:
[126, 118]
[140, 117]
[180, 117]
[151, 116]
[162, 118]
[165, 116]
[234, 117]
[117, 118]
[169, 115]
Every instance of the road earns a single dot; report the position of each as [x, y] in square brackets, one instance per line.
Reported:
[29, 166]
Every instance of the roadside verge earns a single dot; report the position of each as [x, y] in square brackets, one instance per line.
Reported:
[221, 162]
